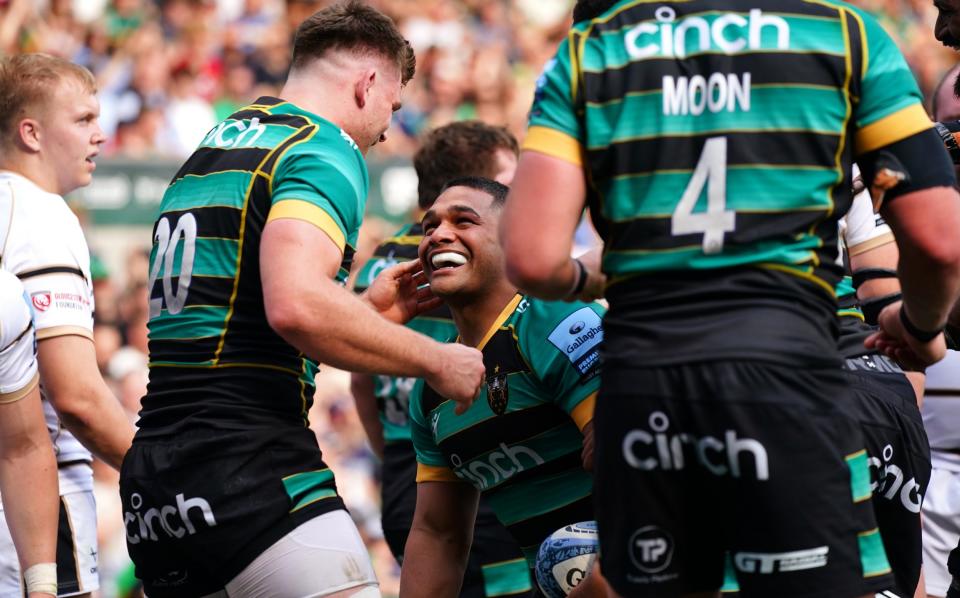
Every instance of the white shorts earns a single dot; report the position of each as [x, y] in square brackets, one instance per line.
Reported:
[941, 527]
[320, 557]
[76, 549]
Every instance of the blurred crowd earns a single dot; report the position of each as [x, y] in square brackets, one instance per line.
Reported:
[168, 70]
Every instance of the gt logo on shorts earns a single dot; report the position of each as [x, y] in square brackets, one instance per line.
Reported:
[772, 562]
[646, 451]
[651, 549]
[172, 520]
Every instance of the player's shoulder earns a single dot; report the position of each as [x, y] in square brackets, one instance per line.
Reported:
[557, 324]
[37, 228]
[15, 312]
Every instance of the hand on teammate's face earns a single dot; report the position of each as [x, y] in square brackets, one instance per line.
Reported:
[458, 375]
[896, 343]
[401, 293]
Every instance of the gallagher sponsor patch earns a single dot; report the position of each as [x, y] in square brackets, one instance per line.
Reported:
[579, 336]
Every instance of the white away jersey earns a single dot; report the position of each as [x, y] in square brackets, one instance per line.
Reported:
[41, 242]
[18, 362]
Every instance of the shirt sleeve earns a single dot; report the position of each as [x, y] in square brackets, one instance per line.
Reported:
[554, 128]
[18, 363]
[432, 466]
[569, 362]
[890, 107]
[319, 189]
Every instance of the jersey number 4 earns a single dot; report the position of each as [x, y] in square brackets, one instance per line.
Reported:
[711, 171]
[166, 242]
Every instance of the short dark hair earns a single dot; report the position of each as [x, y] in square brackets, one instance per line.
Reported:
[460, 149]
[587, 10]
[352, 25]
[498, 191]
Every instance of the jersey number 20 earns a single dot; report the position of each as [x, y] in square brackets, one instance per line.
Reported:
[711, 171]
[166, 242]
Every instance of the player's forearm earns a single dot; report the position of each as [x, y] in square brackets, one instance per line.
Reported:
[336, 328]
[928, 305]
[95, 417]
[362, 387]
[925, 224]
[433, 564]
[30, 508]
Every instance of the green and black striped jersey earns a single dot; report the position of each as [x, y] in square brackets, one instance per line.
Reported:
[393, 393]
[520, 442]
[213, 357]
[718, 135]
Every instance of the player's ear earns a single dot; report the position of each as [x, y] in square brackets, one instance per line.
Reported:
[363, 85]
[28, 134]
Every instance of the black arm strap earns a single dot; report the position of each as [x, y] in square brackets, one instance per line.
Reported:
[874, 305]
[864, 274]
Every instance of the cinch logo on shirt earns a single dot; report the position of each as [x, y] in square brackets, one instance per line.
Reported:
[647, 451]
[497, 467]
[729, 33]
[888, 482]
[173, 520]
[234, 133]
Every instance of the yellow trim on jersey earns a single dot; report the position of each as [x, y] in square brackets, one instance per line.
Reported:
[893, 128]
[582, 414]
[554, 143]
[404, 240]
[504, 315]
[873, 243]
[850, 313]
[55, 331]
[804, 275]
[431, 473]
[299, 209]
[16, 395]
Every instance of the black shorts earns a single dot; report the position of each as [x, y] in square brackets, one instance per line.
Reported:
[199, 507]
[884, 403]
[496, 566]
[746, 458]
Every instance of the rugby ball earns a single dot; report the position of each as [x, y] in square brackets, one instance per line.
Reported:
[565, 558]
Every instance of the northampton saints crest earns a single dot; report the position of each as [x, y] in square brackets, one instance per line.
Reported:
[497, 391]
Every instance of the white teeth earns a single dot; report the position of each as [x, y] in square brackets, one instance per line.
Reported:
[447, 258]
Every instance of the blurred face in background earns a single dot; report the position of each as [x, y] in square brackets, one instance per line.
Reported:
[947, 29]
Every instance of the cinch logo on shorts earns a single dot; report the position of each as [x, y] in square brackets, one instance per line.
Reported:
[172, 520]
[887, 481]
[496, 468]
[648, 452]
[773, 562]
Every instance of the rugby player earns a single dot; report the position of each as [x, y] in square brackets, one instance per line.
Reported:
[49, 137]
[941, 416]
[224, 490]
[496, 566]
[522, 443]
[30, 509]
[719, 208]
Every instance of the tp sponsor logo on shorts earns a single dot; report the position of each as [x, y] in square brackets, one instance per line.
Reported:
[887, 480]
[173, 520]
[774, 562]
[727, 455]
[651, 549]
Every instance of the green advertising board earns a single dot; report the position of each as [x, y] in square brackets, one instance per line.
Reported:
[128, 192]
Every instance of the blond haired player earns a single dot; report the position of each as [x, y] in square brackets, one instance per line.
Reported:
[49, 137]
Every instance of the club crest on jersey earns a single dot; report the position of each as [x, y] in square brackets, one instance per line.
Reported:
[41, 300]
[497, 391]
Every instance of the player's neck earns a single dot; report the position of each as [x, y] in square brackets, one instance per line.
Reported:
[475, 318]
[33, 169]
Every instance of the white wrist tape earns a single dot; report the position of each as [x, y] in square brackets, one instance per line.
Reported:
[41, 577]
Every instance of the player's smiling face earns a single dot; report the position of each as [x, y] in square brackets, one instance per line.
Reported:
[72, 135]
[460, 251]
